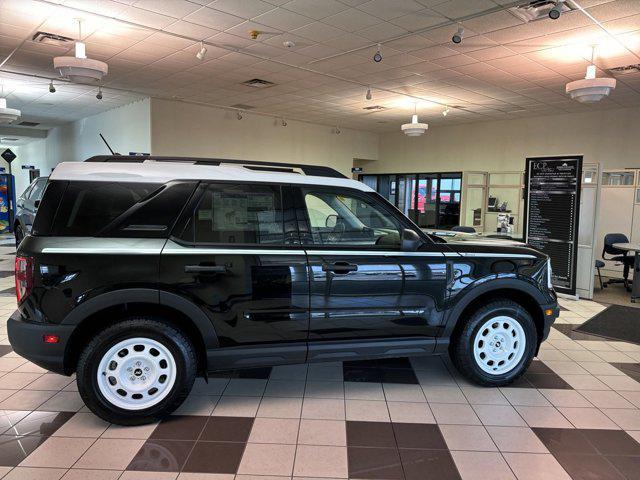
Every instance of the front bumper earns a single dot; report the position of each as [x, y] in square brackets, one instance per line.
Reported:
[549, 313]
[27, 340]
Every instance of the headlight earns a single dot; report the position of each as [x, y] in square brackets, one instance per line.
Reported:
[549, 284]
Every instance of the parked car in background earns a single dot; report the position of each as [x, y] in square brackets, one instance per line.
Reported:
[26, 207]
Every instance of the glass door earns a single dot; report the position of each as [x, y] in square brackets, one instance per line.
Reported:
[427, 200]
[449, 201]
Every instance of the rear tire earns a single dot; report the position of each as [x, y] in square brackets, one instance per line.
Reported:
[136, 371]
[496, 344]
[19, 234]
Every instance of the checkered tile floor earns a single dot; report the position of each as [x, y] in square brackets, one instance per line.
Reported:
[575, 414]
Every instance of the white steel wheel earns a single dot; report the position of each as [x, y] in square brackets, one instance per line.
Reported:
[499, 345]
[136, 373]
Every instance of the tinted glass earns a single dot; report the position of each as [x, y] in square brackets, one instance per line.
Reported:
[88, 207]
[38, 189]
[341, 218]
[238, 214]
[53, 193]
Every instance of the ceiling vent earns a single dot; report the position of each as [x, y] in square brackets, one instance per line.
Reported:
[50, 38]
[538, 9]
[375, 108]
[626, 69]
[28, 124]
[258, 83]
[242, 106]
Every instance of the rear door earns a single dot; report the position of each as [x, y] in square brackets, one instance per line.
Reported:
[236, 255]
[363, 286]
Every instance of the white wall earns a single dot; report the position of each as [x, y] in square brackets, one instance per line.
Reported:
[127, 129]
[179, 128]
[609, 137]
[33, 153]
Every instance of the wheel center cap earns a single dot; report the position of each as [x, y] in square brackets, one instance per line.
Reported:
[137, 372]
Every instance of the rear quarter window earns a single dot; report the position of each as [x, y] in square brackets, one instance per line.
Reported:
[86, 208]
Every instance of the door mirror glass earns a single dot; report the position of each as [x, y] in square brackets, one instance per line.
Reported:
[331, 221]
[411, 241]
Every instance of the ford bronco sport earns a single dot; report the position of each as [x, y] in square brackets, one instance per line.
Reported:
[142, 272]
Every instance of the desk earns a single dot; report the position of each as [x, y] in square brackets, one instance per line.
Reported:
[633, 247]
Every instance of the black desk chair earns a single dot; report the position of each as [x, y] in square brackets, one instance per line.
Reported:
[463, 229]
[600, 264]
[618, 256]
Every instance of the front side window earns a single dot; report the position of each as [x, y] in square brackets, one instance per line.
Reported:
[237, 214]
[345, 218]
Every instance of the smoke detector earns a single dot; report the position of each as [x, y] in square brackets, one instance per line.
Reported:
[79, 68]
[7, 115]
[590, 89]
[415, 128]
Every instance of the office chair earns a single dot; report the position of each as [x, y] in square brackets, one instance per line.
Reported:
[463, 229]
[600, 264]
[618, 256]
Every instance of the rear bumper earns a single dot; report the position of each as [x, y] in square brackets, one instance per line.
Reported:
[26, 339]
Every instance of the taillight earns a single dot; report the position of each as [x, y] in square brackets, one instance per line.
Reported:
[24, 277]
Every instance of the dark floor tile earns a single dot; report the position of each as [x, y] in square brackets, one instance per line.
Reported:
[40, 423]
[588, 467]
[424, 464]
[361, 374]
[14, 449]
[629, 466]
[565, 441]
[374, 463]
[180, 427]
[417, 435]
[161, 456]
[546, 380]
[215, 457]
[397, 375]
[227, 429]
[4, 349]
[370, 434]
[612, 442]
[631, 369]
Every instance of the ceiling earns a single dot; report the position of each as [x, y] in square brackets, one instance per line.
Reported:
[504, 68]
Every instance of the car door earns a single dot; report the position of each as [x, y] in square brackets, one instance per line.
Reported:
[363, 286]
[235, 254]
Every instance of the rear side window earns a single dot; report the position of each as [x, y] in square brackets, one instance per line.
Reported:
[38, 189]
[237, 214]
[87, 208]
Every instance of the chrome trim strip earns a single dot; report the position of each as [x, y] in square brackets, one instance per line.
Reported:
[103, 251]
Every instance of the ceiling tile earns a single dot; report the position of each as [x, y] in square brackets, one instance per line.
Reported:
[352, 20]
[318, 31]
[283, 19]
[213, 19]
[242, 8]
[388, 9]
[381, 32]
[316, 9]
[172, 8]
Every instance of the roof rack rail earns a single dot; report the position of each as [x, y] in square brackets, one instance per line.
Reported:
[314, 170]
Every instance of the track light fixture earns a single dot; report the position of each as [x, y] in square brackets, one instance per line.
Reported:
[368, 96]
[336, 130]
[378, 56]
[52, 89]
[99, 94]
[556, 11]
[445, 112]
[239, 115]
[202, 52]
[283, 122]
[457, 37]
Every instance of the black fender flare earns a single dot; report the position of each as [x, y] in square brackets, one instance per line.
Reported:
[479, 289]
[146, 295]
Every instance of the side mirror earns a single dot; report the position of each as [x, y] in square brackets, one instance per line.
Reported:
[331, 221]
[411, 241]
[36, 204]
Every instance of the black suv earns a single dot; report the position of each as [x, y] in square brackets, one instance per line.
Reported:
[142, 272]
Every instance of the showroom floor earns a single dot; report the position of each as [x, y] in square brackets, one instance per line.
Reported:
[575, 414]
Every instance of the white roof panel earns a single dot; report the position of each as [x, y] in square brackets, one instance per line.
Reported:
[161, 172]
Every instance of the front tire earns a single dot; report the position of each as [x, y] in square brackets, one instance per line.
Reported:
[19, 234]
[496, 344]
[136, 371]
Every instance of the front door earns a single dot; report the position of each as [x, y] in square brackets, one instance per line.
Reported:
[235, 254]
[363, 286]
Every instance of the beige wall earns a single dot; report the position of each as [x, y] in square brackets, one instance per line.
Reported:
[179, 128]
[610, 137]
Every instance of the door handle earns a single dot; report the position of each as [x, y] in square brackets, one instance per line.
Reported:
[339, 267]
[206, 269]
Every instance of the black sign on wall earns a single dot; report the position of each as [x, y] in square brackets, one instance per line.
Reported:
[552, 210]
